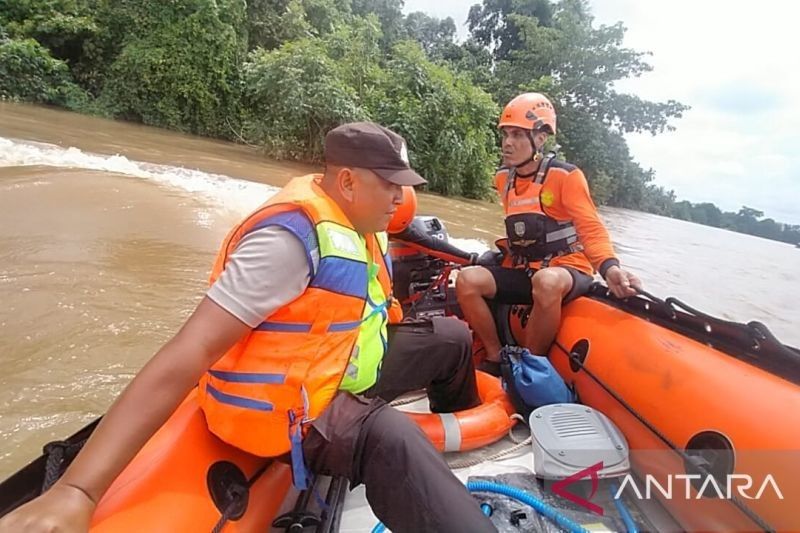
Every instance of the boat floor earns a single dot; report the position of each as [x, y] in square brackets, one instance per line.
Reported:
[357, 517]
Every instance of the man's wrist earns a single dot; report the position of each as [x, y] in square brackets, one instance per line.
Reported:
[81, 490]
[606, 265]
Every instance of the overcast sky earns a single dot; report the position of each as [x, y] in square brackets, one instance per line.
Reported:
[737, 65]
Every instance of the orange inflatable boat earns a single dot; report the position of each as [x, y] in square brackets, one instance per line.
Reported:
[687, 389]
[184, 479]
[710, 410]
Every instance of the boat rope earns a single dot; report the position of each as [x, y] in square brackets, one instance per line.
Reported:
[752, 515]
[226, 515]
[518, 445]
[56, 452]
[752, 343]
[408, 399]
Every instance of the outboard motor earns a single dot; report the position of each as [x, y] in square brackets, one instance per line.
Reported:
[415, 272]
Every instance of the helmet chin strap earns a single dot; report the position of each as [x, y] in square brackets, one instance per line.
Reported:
[536, 155]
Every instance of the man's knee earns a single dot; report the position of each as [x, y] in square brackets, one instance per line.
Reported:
[393, 432]
[550, 285]
[474, 282]
[452, 331]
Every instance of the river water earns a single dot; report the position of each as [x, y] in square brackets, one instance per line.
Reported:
[108, 231]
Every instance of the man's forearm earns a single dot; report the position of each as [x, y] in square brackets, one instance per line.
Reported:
[141, 409]
[152, 396]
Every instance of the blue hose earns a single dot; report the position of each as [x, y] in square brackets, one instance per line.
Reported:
[528, 499]
[519, 495]
[630, 525]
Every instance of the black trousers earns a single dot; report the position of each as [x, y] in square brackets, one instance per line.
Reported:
[408, 484]
[435, 355]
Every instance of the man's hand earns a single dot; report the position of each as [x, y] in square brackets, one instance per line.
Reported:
[62, 509]
[143, 407]
[489, 258]
[621, 282]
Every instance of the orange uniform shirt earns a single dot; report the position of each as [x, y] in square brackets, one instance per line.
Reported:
[565, 197]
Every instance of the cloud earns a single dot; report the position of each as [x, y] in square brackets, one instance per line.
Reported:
[740, 73]
[736, 65]
[741, 97]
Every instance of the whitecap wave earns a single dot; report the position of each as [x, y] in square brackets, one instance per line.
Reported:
[226, 192]
[232, 193]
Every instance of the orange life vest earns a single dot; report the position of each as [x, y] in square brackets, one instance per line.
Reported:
[533, 238]
[286, 371]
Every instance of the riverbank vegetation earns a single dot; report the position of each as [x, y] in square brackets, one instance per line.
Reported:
[277, 74]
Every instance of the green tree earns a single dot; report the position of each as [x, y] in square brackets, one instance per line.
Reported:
[682, 210]
[61, 26]
[708, 214]
[28, 72]
[294, 95]
[271, 23]
[390, 16]
[179, 68]
[448, 122]
[68, 29]
[494, 25]
[434, 35]
[470, 59]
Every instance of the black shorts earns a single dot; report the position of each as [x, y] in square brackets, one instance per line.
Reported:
[514, 284]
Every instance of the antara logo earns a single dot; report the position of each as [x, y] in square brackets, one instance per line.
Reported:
[734, 486]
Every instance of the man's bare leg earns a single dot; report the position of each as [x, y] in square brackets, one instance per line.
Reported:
[472, 286]
[549, 286]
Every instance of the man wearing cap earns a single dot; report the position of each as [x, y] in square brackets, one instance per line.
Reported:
[284, 345]
[435, 354]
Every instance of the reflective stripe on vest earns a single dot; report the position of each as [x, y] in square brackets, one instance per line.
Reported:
[367, 354]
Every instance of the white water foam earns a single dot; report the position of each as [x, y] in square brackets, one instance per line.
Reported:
[232, 193]
[235, 194]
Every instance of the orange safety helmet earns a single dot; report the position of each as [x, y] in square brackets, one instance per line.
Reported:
[530, 111]
[405, 211]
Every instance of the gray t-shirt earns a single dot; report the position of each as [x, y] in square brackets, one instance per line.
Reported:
[267, 270]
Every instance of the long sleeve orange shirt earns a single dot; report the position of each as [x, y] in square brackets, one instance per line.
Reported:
[565, 197]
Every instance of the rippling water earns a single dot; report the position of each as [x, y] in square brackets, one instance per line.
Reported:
[108, 231]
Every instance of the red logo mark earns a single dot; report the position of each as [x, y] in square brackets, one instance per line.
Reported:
[560, 487]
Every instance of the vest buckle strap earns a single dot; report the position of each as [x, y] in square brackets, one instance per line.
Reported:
[300, 474]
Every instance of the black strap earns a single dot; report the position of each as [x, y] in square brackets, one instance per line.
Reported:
[541, 174]
[544, 167]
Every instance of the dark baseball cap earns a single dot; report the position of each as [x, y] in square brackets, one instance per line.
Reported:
[368, 145]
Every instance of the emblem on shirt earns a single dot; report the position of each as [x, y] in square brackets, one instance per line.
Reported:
[548, 198]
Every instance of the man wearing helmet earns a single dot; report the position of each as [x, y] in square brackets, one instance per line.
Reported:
[555, 240]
